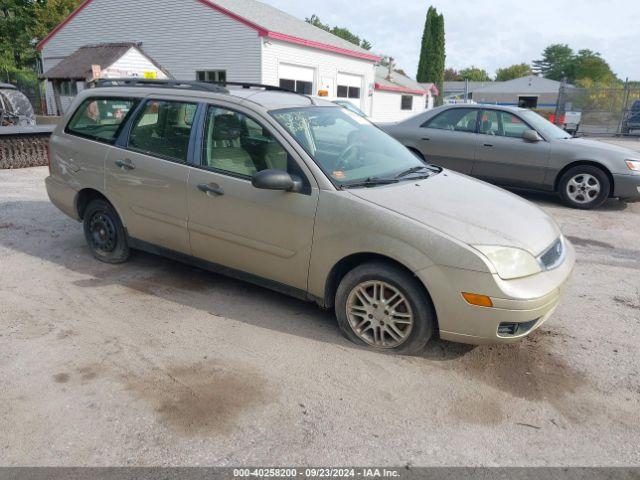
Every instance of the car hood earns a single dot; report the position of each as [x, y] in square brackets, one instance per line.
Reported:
[469, 210]
[591, 145]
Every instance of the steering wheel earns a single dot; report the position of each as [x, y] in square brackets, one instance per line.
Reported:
[342, 163]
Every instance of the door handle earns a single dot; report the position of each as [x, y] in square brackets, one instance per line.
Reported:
[125, 165]
[211, 188]
[488, 144]
[426, 138]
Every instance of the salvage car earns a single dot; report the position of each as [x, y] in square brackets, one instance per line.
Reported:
[307, 198]
[516, 147]
[15, 108]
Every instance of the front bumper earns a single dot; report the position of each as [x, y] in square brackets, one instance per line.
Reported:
[626, 186]
[528, 302]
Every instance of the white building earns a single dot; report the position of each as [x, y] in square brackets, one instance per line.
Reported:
[397, 96]
[218, 40]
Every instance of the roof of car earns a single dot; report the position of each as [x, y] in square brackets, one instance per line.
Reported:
[483, 105]
[266, 98]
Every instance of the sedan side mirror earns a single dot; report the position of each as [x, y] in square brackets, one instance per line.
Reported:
[276, 180]
[531, 136]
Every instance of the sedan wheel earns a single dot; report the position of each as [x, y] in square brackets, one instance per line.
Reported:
[379, 314]
[583, 188]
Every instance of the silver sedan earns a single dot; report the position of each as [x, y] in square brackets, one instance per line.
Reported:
[516, 147]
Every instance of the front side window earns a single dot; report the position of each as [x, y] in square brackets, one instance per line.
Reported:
[502, 124]
[347, 147]
[407, 102]
[100, 118]
[455, 119]
[163, 129]
[238, 145]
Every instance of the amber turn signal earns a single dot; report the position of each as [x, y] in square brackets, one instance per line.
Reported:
[477, 300]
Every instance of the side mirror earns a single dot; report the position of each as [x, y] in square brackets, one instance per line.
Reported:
[276, 180]
[531, 136]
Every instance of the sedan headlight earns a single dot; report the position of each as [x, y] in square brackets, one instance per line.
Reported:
[633, 165]
[510, 262]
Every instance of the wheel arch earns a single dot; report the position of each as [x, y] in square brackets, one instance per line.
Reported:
[591, 163]
[86, 196]
[348, 263]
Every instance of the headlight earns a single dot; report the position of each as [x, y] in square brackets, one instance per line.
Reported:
[511, 262]
[633, 165]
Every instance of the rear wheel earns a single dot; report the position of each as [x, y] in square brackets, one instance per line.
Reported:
[383, 307]
[104, 233]
[584, 187]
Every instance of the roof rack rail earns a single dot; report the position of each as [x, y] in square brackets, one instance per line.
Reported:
[168, 83]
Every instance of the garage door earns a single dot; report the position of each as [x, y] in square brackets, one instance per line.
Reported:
[296, 78]
[350, 88]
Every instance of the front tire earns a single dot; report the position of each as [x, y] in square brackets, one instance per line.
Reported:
[105, 233]
[584, 187]
[383, 307]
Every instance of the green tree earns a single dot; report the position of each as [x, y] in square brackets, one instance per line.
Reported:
[475, 74]
[514, 71]
[16, 44]
[589, 65]
[556, 62]
[452, 75]
[432, 54]
[341, 32]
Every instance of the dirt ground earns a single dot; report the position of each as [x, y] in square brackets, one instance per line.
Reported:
[156, 363]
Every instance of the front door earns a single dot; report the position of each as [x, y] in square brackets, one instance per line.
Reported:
[450, 139]
[504, 157]
[146, 174]
[231, 223]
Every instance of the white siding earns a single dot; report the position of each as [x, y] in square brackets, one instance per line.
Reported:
[387, 106]
[181, 35]
[327, 66]
[132, 63]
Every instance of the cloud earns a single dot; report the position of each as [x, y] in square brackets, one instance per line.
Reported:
[490, 34]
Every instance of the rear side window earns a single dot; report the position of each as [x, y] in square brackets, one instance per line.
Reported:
[455, 119]
[163, 129]
[100, 118]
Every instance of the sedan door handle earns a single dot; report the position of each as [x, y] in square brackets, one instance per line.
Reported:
[488, 145]
[125, 165]
[211, 188]
[426, 138]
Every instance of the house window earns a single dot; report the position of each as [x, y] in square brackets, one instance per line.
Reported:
[212, 76]
[298, 86]
[406, 102]
[68, 88]
[348, 92]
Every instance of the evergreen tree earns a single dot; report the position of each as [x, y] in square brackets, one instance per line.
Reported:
[432, 54]
[427, 40]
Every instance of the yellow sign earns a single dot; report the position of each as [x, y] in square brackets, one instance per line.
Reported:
[150, 75]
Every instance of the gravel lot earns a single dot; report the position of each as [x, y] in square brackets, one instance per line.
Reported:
[156, 363]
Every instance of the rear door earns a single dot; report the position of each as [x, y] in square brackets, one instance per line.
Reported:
[146, 173]
[231, 223]
[504, 157]
[450, 139]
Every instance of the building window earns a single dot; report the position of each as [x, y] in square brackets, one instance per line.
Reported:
[348, 92]
[528, 102]
[407, 102]
[212, 76]
[298, 86]
[68, 88]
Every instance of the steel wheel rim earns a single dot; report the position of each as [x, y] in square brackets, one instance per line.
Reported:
[583, 188]
[380, 314]
[102, 231]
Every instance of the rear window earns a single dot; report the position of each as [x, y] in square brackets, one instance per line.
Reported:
[100, 118]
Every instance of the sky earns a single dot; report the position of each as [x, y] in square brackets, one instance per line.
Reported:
[488, 34]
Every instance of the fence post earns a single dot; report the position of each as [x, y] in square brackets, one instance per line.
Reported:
[560, 106]
[625, 100]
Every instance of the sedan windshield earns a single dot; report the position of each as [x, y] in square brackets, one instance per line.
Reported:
[545, 127]
[350, 149]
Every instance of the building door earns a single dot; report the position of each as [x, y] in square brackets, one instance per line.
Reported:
[297, 78]
[351, 87]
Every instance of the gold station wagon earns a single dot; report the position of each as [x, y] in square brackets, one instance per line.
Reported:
[305, 197]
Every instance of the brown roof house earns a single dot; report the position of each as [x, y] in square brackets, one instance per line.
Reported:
[106, 60]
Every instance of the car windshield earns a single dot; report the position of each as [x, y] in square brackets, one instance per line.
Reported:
[545, 127]
[349, 148]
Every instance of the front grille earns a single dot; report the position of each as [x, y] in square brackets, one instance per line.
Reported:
[554, 256]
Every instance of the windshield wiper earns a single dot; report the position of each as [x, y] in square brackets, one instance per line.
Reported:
[411, 170]
[371, 182]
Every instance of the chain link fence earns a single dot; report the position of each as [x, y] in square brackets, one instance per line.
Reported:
[27, 82]
[604, 110]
